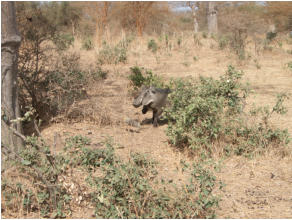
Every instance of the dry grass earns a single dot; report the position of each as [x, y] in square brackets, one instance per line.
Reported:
[257, 188]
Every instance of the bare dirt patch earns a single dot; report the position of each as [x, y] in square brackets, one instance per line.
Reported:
[259, 188]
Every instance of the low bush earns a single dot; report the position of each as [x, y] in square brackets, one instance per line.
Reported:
[37, 188]
[210, 113]
[99, 73]
[87, 44]
[271, 35]
[223, 42]
[51, 90]
[152, 45]
[116, 188]
[125, 191]
[63, 41]
[66, 84]
[112, 54]
[141, 76]
[204, 35]
[197, 40]
[131, 189]
[50, 79]
[289, 65]
[179, 41]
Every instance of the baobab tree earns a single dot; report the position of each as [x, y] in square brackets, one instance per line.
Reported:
[10, 42]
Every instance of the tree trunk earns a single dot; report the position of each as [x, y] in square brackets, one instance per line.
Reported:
[194, 15]
[212, 18]
[73, 27]
[102, 19]
[141, 16]
[196, 24]
[10, 42]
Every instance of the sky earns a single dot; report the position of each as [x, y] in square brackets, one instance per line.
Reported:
[177, 6]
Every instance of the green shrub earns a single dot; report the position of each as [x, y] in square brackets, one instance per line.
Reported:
[45, 194]
[87, 44]
[197, 40]
[152, 45]
[113, 55]
[258, 66]
[116, 188]
[121, 55]
[78, 153]
[210, 111]
[129, 190]
[136, 77]
[204, 35]
[179, 41]
[66, 85]
[141, 76]
[100, 73]
[64, 41]
[125, 42]
[289, 65]
[166, 41]
[186, 64]
[223, 42]
[271, 35]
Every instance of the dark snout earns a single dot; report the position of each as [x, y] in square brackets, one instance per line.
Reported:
[145, 109]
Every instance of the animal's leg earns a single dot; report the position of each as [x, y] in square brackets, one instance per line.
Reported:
[154, 118]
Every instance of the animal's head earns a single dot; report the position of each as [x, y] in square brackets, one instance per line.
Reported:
[146, 97]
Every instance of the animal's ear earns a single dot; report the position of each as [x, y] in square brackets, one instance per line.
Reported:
[152, 89]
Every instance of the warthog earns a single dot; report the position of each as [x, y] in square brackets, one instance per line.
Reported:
[154, 99]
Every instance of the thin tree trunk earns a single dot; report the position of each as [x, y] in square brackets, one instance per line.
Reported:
[196, 25]
[73, 27]
[140, 10]
[101, 23]
[10, 42]
[212, 18]
[194, 15]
